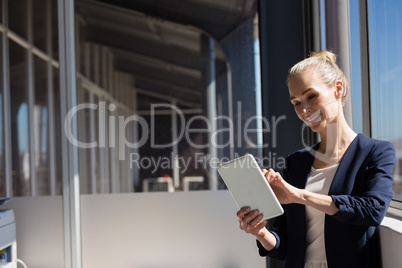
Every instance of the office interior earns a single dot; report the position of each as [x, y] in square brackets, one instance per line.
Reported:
[114, 115]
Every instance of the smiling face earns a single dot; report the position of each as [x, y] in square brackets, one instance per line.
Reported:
[315, 103]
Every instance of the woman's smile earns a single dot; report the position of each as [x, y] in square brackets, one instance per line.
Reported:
[313, 118]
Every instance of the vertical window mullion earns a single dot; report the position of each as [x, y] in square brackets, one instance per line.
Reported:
[68, 100]
[365, 67]
[50, 89]
[101, 146]
[31, 102]
[106, 150]
[110, 74]
[127, 165]
[136, 151]
[115, 180]
[93, 150]
[6, 106]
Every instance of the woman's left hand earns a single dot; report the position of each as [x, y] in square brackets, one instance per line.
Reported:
[285, 192]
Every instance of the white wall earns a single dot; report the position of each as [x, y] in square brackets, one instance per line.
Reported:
[39, 225]
[391, 242]
[189, 229]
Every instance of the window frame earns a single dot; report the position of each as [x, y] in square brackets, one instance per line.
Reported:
[395, 208]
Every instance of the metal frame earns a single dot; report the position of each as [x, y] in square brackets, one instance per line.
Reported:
[211, 109]
[71, 187]
[6, 105]
[31, 102]
[113, 155]
[175, 147]
[365, 67]
[93, 150]
[188, 179]
[25, 44]
[158, 180]
[50, 88]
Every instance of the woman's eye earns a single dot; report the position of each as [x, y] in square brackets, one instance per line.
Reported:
[295, 104]
[312, 96]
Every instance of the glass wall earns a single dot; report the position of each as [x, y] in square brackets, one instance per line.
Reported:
[356, 82]
[3, 190]
[162, 102]
[375, 102]
[385, 71]
[30, 138]
[19, 95]
[160, 93]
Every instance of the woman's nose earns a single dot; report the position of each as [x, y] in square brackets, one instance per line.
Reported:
[305, 108]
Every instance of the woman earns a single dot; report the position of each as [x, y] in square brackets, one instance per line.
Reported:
[336, 193]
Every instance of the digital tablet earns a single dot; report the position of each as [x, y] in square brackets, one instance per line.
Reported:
[248, 186]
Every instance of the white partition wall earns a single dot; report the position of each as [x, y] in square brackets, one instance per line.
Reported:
[187, 229]
[169, 230]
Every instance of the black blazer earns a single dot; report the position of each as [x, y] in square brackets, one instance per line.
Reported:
[361, 189]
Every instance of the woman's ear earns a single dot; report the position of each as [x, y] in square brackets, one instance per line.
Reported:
[338, 89]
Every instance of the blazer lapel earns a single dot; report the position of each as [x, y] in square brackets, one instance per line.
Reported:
[305, 167]
[339, 184]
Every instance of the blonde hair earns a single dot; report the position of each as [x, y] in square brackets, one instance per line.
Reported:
[324, 64]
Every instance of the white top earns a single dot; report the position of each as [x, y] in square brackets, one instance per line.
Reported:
[319, 182]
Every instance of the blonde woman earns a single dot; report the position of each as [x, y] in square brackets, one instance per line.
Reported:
[336, 193]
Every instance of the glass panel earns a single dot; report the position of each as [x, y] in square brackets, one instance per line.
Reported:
[18, 17]
[161, 68]
[57, 121]
[84, 136]
[19, 120]
[191, 150]
[322, 25]
[95, 151]
[157, 148]
[105, 151]
[2, 156]
[126, 171]
[1, 11]
[113, 151]
[55, 30]
[386, 68]
[40, 22]
[120, 164]
[41, 126]
[102, 151]
[355, 83]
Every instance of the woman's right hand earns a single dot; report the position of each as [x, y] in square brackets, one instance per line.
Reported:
[251, 222]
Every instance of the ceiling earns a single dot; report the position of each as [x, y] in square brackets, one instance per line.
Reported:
[160, 41]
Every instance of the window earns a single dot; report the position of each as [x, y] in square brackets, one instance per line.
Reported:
[385, 70]
[157, 87]
[165, 98]
[29, 102]
[356, 83]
